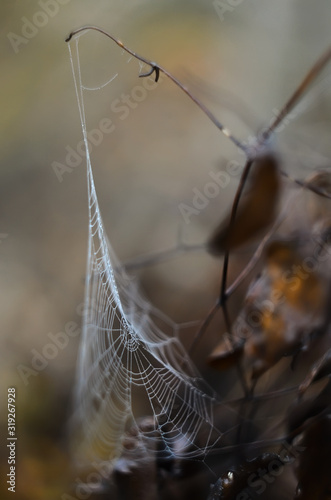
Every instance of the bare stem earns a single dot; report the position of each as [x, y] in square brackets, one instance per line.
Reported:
[234, 209]
[301, 89]
[156, 68]
[204, 326]
[161, 256]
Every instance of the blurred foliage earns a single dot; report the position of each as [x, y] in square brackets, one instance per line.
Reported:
[258, 54]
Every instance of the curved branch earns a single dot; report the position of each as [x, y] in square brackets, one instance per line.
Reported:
[155, 67]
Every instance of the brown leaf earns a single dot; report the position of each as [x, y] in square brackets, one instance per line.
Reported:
[313, 470]
[256, 211]
[135, 472]
[249, 479]
[284, 305]
[270, 343]
[301, 288]
[320, 369]
[317, 401]
[226, 355]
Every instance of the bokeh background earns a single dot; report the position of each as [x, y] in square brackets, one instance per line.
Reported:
[243, 64]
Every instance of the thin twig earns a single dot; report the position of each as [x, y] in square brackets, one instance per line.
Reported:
[224, 293]
[263, 444]
[301, 89]
[204, 327]
[223, 296]
[161, 256]
[156, 68]
[253, 261]
[234, 209]
[313, 372]
[264, 396]
[305, 185]
[233, 287]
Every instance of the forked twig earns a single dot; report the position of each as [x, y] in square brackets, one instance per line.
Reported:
[312, 74]
[156, 68]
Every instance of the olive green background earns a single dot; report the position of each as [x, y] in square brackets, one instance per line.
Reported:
[243, 66]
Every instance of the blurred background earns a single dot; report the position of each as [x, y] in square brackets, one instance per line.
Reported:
[242, 61]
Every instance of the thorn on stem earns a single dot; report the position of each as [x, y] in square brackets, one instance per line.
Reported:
[151, 71]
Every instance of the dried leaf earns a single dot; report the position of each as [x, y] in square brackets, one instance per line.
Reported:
[270, 343]
[292, 280]
[226, 355]
[313, 470]
[249, 479]
[135, 472]
[321, 369]
[284, 305]
[256, 211]
[316, 402]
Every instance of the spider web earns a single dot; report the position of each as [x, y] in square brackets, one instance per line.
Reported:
[124, 352]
